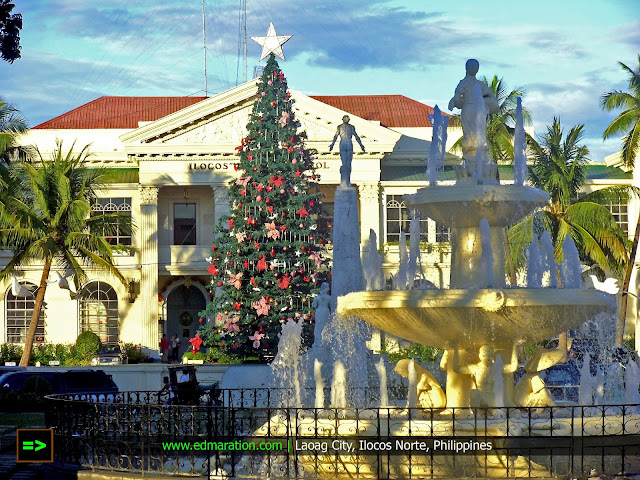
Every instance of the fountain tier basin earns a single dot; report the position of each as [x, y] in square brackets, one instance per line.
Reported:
[472, 317]
[465, 205]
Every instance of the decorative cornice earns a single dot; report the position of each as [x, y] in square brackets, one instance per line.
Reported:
[148, 195]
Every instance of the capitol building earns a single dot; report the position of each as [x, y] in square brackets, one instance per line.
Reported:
[176, 156]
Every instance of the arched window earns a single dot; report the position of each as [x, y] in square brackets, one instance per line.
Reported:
[19, 311]
[99, 311]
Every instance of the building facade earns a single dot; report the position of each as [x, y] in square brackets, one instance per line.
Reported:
[175, 157]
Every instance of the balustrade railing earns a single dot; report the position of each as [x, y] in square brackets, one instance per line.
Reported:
[140, 432]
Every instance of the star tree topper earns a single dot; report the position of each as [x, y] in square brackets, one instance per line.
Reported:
[271, 43]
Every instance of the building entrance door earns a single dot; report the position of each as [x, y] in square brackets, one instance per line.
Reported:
[183, 305]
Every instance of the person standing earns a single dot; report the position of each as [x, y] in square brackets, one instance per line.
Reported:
[164, 348]
[175, 346]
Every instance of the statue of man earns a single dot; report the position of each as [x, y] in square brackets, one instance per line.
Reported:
[345, 131]
[476, 100]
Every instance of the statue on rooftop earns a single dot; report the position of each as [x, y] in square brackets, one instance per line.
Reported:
[345, 131]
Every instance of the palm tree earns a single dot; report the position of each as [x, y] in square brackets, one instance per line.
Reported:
[559, 168]
[48, 220]
[12, 124]
[627, 123]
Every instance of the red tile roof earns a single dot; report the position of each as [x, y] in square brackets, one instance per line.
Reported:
[389, 110]
[126, 112]
[119, 112]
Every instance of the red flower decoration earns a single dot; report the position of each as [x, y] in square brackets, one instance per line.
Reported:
[276, 180]
[283, 282]
[298, 173]
[302, 212]
[283, 227]
[212, 269]
[236, 306]
[256, 244]
[196, 342]
[290, 149]
[253, 281]
[230, 223]
[249, 157]
[269, 208]
[262, 263]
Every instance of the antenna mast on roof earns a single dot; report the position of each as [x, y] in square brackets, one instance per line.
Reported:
[244, 39]
[204, 48]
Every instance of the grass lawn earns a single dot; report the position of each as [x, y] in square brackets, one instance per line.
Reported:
[11, 421]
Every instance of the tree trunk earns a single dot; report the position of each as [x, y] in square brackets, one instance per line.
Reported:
[625, 285]
[37, 308]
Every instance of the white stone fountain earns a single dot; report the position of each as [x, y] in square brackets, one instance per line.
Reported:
[478, 309]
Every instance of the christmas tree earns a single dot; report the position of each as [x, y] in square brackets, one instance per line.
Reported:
[266, 261]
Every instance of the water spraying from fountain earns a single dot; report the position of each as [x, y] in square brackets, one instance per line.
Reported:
[548, 259]
[570, 269]
[438, 145]
[520, 169]
[412, 393]
[400, 280]
[487, 252]
[381, 368]
[317, 375]
[339, 386]
[534, 264]
[414, 250]
[372, 269]
[498, 382]
[285, 365]
[587, 382]
[632, 382]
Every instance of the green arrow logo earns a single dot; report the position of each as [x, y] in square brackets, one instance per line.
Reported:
[30, 445]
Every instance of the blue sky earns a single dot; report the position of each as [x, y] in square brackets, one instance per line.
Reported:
[564, 53]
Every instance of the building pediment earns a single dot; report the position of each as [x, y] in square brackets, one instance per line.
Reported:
[216, 126]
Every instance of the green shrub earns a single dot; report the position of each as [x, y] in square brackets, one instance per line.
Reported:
[87, 345]
[415, 350]
[10, 352]
[134, 353]
[195, 356]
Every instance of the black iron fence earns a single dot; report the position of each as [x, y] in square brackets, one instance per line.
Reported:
[247, 433]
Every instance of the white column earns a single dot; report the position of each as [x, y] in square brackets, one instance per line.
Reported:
[221, 201]
[149, 259]
[369, 194]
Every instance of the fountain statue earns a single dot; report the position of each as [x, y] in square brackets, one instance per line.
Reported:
[322, 311]
[345, 131]
[479, 317]
[477, 101]
[428, 391]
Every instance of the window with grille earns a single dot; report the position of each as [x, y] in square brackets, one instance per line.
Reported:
[619, 212]
[398, 219]
[184, 223]
[112, 205]
[18, 315]
[99, 311]
[443, 233]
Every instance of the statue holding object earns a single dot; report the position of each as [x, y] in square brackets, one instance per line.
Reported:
[476, 101]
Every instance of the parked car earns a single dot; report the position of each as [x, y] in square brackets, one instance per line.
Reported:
[110, 354]
[31, 386]
[562, 381]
